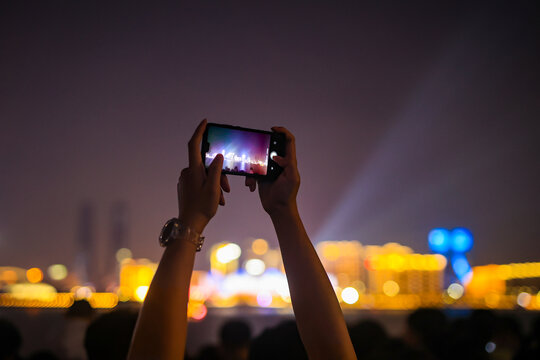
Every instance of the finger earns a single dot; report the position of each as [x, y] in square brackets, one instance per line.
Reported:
[194, 145]
[251, 183]
[224, 182]
[281, 161]
[221, 198]
[290, 146]
[214, 172]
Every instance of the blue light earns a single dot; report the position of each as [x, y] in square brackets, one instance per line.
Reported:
[439, 240]
[461, 266]
[462, 240]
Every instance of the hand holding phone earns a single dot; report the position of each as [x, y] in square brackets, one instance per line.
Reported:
[246, 152]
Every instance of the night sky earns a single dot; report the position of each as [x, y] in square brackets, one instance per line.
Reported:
[407, 116]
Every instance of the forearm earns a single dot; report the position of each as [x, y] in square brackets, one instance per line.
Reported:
[319, 318]
[162, 325]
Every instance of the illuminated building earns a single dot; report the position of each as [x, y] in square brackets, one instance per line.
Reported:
[135, 278]
[505, 286]
[388, 271]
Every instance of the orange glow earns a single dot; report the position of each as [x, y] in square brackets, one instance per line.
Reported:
[259, 246]
[199, 312]
[34, 275]
[9, 277]
[486, 280]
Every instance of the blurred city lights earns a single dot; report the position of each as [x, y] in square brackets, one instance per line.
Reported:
[140, 293]
[82, 292]
[123, 254]
[524, 299]
[255, 267]
[199, 312]
[461, 266]
[57, 272]
[34, 275]
[42, 292]
[455, 291]
[264, 299]
[8, 276]
[390, 288]
[259, 246]
[228, 253]
[439, 240]
[462, 240]
[350, 295]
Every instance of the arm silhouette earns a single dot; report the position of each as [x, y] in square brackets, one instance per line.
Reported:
[318, 315]
[161, 329]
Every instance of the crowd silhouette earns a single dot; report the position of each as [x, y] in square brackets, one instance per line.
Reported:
[430, 334]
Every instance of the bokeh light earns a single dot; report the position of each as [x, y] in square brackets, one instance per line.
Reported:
[34, 275]
[140, 293]
[390, 288]
[255, 267]
[462, 240]
[259, 246]
[199, 312]
[57, 272]
[524, 299]
[228, 253]
[123, 254]
[439, 240]
[455, 291]
[350, 295]
[264, 299]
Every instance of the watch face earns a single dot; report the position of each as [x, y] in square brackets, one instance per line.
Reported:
[166, 231]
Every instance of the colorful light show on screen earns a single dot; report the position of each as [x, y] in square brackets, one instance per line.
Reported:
[243, 151]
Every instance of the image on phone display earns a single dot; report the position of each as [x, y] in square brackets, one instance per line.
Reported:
[244, 152]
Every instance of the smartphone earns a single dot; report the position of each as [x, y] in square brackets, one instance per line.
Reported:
[246, 152]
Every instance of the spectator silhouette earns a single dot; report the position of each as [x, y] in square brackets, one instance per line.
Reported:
[280, 342]
[108, 336]
[367, 336]
[10, 340]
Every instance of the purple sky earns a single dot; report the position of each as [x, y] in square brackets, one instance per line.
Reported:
[407, 117]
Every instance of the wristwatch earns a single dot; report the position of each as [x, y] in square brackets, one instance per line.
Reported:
[173, 231]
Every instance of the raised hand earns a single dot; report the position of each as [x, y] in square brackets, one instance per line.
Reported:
[280, 195]
[199, 192]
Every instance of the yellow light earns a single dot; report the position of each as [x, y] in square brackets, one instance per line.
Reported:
[350, 295]
[123, 254]
[255, 267]
[57, 272]
[390, 288]
[259, 246]
[34, 275]
[455, 291]
[524, 299]
[504, 272]
[330, 251]
[396, 262]
[145, 275]
[228, 253]
[140, 293]
[41, 292]
[492, 300]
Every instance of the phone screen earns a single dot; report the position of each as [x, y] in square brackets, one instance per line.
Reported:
[244, 151]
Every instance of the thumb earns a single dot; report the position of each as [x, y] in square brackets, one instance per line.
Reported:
[214, 171]
[281, 161]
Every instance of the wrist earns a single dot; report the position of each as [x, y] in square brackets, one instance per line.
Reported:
[195, 223]
[286, 211]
